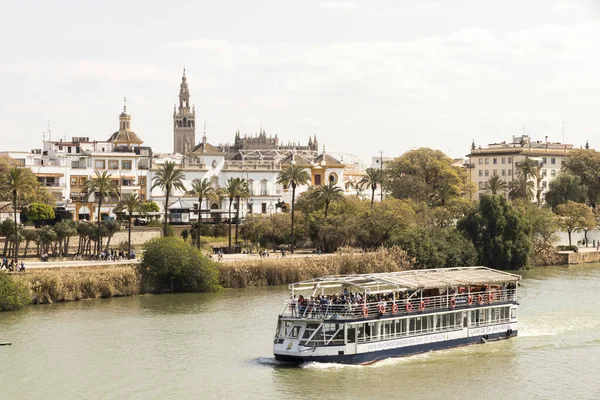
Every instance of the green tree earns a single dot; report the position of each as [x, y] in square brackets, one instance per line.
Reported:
[372, 179]
[65, 229]
[39, 212]
[185, 234]
[293, 176]
[575, 217]
[110, 228]
[129, 204]
[328, 193]
[495, 185]
[18, 183]
[255, 228]
[521, 188]
[500, 235]
[234, 189]
[149, 206]
[103, 187]
[168, 178]
[30, 235]
[203, 190]
[424, 175]
[566, 187]
[169, 264]
[585, 164]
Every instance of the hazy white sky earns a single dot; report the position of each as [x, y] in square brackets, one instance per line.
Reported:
[362, 75]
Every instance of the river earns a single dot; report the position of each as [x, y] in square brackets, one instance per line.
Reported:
[218, 346]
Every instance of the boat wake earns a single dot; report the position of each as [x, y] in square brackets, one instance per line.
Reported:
[272, 361]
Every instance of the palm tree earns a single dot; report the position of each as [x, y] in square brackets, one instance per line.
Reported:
[495, 185]
[235, 188]
[168, 178]
[532, 170]
[372, 178]
[293, 176]
[130, 204]
[328, 194]
[102, 186]
[19, 183]
[521, 188]
[204, 190]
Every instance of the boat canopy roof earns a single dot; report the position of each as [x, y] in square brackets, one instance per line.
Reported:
[410, 280]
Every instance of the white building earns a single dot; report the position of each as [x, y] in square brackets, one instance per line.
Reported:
[503, 159]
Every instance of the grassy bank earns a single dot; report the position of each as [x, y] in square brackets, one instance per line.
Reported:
[47, 286]
[279, 271]
[52, 285]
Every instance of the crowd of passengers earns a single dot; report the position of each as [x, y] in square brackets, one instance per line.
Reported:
[348, 303]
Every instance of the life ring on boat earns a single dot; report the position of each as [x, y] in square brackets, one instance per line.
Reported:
[408, 307]
[452, 303]
[491, 297]
[421, 305]
[470, 299]
[394, 308]
[480, 299]
[365, 312]
[381, 309]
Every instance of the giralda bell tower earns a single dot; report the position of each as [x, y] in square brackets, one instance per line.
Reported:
[184, 121]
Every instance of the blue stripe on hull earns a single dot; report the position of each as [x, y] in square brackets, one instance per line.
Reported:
[373, 356]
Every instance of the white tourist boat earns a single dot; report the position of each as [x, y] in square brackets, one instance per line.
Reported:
[365, 318]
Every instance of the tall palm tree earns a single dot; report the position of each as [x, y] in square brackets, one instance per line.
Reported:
[495, 185]
[19, 183]
[329, 193]
[168, 178]
[372, 178]
[203, 190]
[130, 204]
[521, 188]
[242, 193]
[532, 169]
[234, 189]
[103, 187]
[293, 176]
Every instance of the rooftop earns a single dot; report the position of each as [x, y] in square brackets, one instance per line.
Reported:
[414, 279]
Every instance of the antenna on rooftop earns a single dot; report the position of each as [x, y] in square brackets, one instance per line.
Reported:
[49, 132]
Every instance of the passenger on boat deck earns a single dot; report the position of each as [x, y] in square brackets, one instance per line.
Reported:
[293, 305]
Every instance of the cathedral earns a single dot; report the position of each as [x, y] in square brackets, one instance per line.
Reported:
[184, 121]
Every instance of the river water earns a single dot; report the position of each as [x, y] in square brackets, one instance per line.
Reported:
[218, 346]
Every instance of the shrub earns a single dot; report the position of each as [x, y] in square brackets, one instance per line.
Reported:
[567, 248]
[169, 264]
[13, 295]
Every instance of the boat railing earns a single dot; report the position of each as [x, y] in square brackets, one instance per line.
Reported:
[407, 306]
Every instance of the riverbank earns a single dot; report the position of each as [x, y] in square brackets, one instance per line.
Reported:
[50, 285]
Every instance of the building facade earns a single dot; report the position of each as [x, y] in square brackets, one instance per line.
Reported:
[503, 160]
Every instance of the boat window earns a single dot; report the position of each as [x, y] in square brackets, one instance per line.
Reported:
[424, 323]
[351, 334]
[295, 332]
[513, 313]
[418, 324]
[361, 332]
[310, 328]
[411, 326]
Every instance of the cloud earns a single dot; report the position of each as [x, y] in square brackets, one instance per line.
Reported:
[340, 5]
[566, 5]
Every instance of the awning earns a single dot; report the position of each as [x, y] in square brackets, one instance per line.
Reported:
[49, 175]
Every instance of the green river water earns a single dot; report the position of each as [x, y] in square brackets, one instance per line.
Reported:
[218, 346]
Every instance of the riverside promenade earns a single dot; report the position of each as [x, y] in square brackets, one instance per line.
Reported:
[100, 263]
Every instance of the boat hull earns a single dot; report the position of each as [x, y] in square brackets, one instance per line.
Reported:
[373, 356]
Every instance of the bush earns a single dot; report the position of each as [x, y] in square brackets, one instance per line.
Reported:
[567, 248]
[13, 295]
[169, 264]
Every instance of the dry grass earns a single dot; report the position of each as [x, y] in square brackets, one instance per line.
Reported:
[52, 285]
[279, 271]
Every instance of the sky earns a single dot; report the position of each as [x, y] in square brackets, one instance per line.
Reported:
[364, 76]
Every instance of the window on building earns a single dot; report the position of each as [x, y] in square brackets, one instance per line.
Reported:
[503, 160]
[82, 180]
[495, 172]
[99, 164]
[73, 181]
[69, 149]
[553, 160]
[494, 160]
[480, 161]
[544, 172]
[263, 208]
[480, 185]
[317, 180]
[127, 182]
[509, 160]
[113, 164]
[487, 172]
[553, 172]
[480, 172]
[487, 161]
[544, 160]
[503, 172]
[251, 187]
[510, 172]
[333, 177]
[126, 164]
[142, 181]
[544, 184]
[263, 188]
